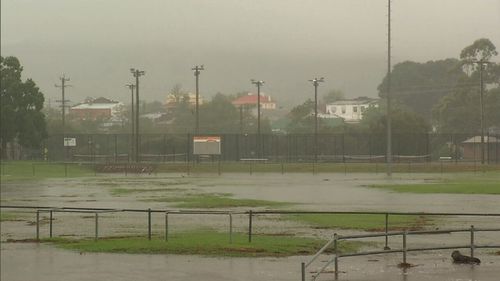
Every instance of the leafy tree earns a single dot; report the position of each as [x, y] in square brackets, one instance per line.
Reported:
[333, 96]
[419, 86]
[22, 120]
[302, 120]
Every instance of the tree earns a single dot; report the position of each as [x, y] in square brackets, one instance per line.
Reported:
[22, 120]
[333, 96]
[419, 86]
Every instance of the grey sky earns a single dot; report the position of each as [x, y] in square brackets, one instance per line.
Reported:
[284, 42]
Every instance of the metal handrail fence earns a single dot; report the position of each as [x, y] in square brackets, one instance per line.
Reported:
[404, 248]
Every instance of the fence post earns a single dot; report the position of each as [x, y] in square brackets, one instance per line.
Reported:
[166, 226]
[250, 226]
[96, 226]
[336, 253]
[303, 271]
[472, 241]
[386, 247]
[50, 224]
[404, 247]
[37, 225]
[230, 228]
[149, 224]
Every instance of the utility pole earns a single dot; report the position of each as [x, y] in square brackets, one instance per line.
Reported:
[481, 64]
[258, 83]
[132, 116]
[197, 70]
[241, 119]
[63, 106]
[389, 121]
[315, 83]
[137, 73]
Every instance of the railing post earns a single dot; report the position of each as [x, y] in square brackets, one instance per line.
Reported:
[303, 271]
[96, 226]
[386, 247]
[166, 226]
[149, 224]
[404, 247]
[50, 224]
[336, 253]
[472, 241]
[37, 225]
[230, 228]
[250, 226]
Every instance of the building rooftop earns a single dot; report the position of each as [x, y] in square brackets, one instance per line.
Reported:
[252, 99]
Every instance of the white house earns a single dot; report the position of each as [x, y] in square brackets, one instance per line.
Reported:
[350, 110]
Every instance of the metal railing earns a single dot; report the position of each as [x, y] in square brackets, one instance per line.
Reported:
[404, 247]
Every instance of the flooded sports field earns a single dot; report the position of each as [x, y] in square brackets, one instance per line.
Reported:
[239, 193]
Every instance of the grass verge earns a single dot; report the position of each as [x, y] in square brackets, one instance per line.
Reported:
[205, 243]
[7, 216]
[362, 222]
[215, 200]
[126, 191]
[479, 186]
[32, 170]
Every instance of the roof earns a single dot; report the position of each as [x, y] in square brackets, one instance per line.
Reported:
[354, 101]
[251, 99]
[477, 139]
[98, 103]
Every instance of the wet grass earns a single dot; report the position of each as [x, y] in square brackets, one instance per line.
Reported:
[487, 185]
[31, 170]
[362, 222]
[215, 200]
[7, 216]
[127, 191]
[205, 243]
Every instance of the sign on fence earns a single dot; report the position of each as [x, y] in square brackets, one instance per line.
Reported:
[69, 141]
[206, 145]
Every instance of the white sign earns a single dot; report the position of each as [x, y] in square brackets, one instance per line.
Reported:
[69, 141]
[209, 145]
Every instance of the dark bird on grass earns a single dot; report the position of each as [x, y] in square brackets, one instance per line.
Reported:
[459, 258]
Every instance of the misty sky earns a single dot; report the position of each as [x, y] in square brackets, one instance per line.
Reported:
[284, 42]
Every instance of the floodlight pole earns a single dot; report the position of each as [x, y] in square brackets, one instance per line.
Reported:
[137, 73]
[258, 83]
[132, 116]
[389, 121]
[197, 70]
[315, 83]
[63, 106]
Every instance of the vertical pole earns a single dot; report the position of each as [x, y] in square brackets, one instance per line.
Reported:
[230, 228]
[50, 223]
[166, 226]
[472, 241]
[481, 100]
[136, 74]
[386, 247]
[259, 153]
[250, 226]
[132, 121]
[303, 271]
[149, 224]
[404, 247]
[37, 225]
[336, 253]
[315, 121]
[389, 123]
[96, 236]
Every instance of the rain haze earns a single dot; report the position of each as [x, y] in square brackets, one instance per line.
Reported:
[282, 42]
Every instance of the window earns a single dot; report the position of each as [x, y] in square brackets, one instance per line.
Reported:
[333, 109]
[362, 109]
[355, 109]
[343, 109]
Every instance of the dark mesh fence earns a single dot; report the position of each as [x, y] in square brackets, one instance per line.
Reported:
[271, 147]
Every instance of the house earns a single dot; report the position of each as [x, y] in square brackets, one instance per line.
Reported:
[351, 110]
[472, 148]
[172, 100]
[93, 109]
[250, 100]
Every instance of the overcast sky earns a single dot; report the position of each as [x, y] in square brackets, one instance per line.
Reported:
[284, 42]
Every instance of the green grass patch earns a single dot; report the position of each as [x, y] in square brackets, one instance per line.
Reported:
[7, 216]
[205, 243]
[362, 222]
[479, 186]
[215, 200]
[31, 170]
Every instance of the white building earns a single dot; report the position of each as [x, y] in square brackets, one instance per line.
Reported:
[350, 110]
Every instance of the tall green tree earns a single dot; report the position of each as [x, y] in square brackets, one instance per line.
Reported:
[22, 120]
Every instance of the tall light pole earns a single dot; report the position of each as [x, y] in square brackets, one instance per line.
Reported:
[481, 63]
[258, 83]
[197, 70]
[315, 83]
[137, 73]
[389, 121]
[132, 116]
[63, 106]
